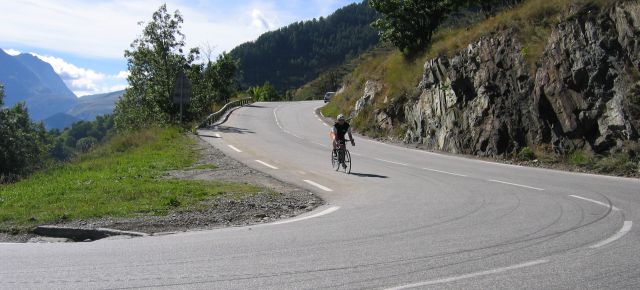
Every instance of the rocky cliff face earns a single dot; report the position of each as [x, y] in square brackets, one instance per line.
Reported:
[584, 94]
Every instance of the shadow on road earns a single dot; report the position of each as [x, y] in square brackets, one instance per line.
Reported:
[254, 106]
[227, 129]
[368, 175]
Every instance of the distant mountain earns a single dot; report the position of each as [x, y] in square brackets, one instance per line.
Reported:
[89, 107]
[59, 121]
[294, 55]
[33, 81]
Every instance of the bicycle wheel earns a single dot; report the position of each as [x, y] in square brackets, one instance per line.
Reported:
[334, 160]
[347, 161]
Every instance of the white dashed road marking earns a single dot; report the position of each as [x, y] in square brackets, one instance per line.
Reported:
[392, 162]
[515, 184]
[318, 185]
[626, 227]
[266, 164]
[217, 135]
[445, 172]
[470, 275]
[595, 201]
[234, 148]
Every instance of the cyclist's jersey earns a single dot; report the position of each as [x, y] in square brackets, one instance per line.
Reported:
[341, 130]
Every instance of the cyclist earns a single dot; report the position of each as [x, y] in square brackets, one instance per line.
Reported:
[338, 132]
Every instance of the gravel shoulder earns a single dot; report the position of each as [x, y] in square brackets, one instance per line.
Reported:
[276, 200]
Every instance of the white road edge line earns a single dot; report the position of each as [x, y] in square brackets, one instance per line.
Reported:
[318, 185]
[324, 212]
[515, 184]
[235, 149]
[445, 172]
[626, 227]
[266, 164]
[392, 162]
[595, 201]
[470, 275]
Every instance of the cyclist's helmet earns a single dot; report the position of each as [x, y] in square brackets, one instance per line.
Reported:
[341, 117]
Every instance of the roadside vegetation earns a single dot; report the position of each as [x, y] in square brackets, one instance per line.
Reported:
[398, 63]
[400, 70]
[120, 178]
[115, 166]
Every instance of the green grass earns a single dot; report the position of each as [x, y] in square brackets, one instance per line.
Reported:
[617, 164]
[526, 154]
[580, 158]
[121, 178]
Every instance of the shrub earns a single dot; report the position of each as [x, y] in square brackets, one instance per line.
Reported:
[526, 154]
[618, 164]
[85, 144]
[580, 158]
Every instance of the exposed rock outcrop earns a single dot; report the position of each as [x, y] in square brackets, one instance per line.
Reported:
[584, 92]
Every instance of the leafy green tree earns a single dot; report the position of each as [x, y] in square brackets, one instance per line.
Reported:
[85, 144]
[410, 24]
[265, 93]
[154, 61]
[24, 145]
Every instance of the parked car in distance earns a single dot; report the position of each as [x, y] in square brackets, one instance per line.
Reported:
[328, 96]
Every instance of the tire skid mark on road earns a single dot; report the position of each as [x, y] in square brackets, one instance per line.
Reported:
[626, 227]
[596, 202]
[470, 275]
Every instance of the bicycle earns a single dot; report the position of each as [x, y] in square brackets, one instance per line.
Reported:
[341, 156]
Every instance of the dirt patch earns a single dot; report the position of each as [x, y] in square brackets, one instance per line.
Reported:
[276, 200]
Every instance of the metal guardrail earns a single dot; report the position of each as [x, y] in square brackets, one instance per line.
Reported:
[213, 118]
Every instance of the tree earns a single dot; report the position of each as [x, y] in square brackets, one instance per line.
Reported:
[265, 93]
[213, 83]
[154, 61]
[410, 24]
[24, 145]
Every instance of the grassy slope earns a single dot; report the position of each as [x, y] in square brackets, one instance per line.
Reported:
[532, 22]
[119, 179]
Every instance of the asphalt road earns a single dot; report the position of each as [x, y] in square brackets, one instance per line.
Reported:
[404, 218]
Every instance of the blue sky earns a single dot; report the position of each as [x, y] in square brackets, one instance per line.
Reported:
[84, 40]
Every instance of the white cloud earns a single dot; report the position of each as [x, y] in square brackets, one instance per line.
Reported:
[83, 81]
[259, 21]
[122, 75]
[104, 29]
[12, 51]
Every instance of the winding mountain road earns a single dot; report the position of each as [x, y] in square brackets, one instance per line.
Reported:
[403, 219]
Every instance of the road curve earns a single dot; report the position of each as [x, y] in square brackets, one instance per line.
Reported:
[404, 219]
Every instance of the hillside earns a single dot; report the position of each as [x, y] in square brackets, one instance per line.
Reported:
[547, 79]
[33, 81]
[59, 121]
[89, 107]
[292, 56]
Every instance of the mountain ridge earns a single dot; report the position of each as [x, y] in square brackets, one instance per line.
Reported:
[33, 81]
